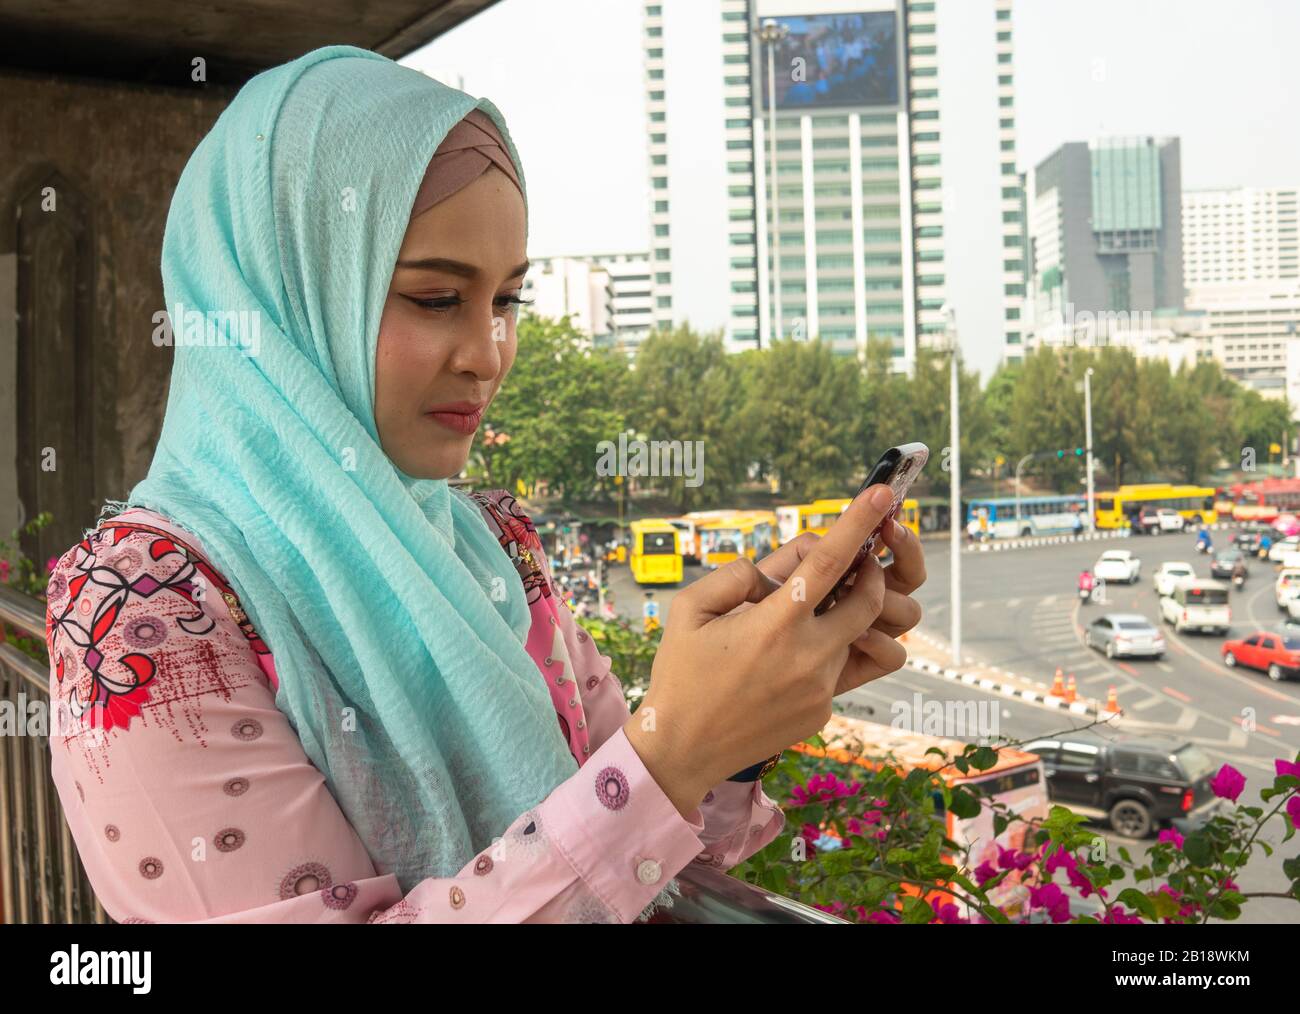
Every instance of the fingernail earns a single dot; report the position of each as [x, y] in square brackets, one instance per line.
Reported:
[881, 498]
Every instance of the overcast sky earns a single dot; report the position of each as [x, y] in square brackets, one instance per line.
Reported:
[567, 74]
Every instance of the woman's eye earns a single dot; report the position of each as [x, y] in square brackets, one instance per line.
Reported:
[437, 302]
[509, 303]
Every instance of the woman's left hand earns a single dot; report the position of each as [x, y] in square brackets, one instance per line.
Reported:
[877, 652]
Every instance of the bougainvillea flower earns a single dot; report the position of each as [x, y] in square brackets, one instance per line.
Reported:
[1053, 899]
[885, 916]
[1118, 915]
[1169, 834]
[1228, 783]
[985, 872]
[1286, 767]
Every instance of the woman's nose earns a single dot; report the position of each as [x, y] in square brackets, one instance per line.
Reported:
[479, 349]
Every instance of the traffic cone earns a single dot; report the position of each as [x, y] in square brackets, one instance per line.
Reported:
[1112, 701]
[1071, 692]
[1058, 684]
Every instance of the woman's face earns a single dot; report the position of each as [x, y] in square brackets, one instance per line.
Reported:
[447, 335]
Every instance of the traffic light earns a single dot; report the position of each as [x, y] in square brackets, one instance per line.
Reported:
[1078, 452]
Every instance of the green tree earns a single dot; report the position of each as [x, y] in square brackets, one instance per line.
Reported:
[559, 402]
[687, 388]
[799, 416]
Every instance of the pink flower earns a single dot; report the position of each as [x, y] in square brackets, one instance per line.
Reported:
[1169, 834]
[50, 564]
[884, 916]
[1010, 859]
[985, 872]
[1293, 810]
[872, 817]
[1053, 899]
[947, 913]
[1118, 915]
[882, 835]
[4, 571]
[1062, 858]
[1285, 767]
[822, 788]
[1228, 783]
[834, 908]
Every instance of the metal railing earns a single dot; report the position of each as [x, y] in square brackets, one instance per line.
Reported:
[41, 874]
[42, 877]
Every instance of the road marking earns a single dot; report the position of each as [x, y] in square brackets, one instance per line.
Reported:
[1147, 703]
[1177, 693]
[1128, 669]
[1164, 666]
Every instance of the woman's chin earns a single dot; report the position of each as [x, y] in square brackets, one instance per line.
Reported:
[446, 465]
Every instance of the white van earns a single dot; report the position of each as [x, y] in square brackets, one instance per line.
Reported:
[1197, 605]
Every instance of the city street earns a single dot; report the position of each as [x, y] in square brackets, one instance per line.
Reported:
[1021, 614]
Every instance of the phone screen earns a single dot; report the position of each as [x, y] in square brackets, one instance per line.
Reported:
[898, 468]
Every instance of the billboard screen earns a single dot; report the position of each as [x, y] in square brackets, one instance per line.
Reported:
[835, 60]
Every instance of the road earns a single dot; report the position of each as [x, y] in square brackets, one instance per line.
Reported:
[1020, 612]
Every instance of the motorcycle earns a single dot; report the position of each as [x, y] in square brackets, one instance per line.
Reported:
[1085, 595]
[1238, 580]
[1204, 546]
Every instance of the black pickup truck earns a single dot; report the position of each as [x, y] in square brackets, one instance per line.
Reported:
[1138, 784]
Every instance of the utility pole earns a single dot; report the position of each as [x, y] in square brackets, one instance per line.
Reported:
[770, 33]
[954, 440]
[1087, 416]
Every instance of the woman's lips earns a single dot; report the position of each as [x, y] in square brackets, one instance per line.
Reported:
[460, 420]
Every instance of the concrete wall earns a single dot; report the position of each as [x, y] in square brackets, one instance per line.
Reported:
[121, 148]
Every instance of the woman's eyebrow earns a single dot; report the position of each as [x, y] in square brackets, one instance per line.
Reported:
[455, 267]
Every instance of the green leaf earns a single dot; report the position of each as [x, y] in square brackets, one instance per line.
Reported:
[964, 804]
[917, 911]
[1139, 902]
[983, 758]
[1196, 847]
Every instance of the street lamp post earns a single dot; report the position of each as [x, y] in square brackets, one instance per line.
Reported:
[1087, 417]
[770, 33]
[954, 440]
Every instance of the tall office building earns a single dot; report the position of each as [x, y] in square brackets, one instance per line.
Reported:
[1243, 234]
[661, 282]
[1106, 231]
[1240, 263]
[849, 242]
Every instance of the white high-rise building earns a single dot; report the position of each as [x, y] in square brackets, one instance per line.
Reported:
[851, 242]
[1243, 234]
[572, 287]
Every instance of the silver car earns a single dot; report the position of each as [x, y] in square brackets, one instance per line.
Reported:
[1122, 635]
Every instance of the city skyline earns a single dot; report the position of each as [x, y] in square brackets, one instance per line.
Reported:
[1229, 123]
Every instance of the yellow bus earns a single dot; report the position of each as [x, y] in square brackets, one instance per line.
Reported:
[816, 517]
[1195, 503]
[689, 525]
[737, 533]
[656, 552]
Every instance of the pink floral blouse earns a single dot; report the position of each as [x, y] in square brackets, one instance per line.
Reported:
[190, 797]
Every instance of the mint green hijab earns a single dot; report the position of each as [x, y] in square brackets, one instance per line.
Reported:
[396, 621]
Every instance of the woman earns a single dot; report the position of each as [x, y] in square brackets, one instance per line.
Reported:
[301, 678]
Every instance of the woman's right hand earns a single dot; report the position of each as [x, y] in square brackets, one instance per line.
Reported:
[730, 688]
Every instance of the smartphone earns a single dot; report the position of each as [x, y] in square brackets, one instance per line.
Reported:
[897, 468]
